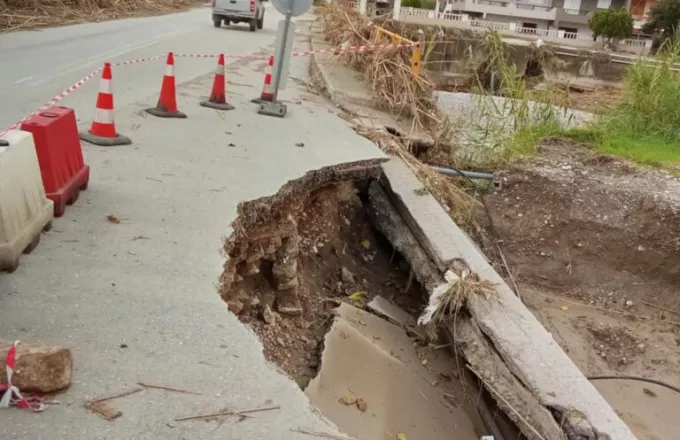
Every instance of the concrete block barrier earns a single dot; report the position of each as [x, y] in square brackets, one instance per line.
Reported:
[60, 155]
[24, 208]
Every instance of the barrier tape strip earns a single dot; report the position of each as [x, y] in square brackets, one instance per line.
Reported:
[52, 102]
[11, 396]
[339, 50]
[335, 51]
[354, 49]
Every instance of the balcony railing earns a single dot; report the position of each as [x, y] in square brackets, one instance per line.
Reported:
[512, 28]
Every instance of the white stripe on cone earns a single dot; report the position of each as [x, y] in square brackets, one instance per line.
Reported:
[105, 86]
[169, 70]
[103, 116]
[220, 69]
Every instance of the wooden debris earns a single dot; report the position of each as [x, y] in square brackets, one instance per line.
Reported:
[227, 413]
[162, 387]
[103, 409]
[320, 434]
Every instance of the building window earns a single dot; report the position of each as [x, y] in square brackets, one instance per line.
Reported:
[572, 6]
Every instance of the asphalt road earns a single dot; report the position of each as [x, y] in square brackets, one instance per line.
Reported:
[37, 65]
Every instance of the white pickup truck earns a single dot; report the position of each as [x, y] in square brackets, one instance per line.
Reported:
[238, 11]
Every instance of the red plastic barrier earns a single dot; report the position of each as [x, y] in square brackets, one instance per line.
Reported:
[63, 170]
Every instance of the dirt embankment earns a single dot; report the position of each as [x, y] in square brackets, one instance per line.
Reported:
[24, 14]
[594, 243]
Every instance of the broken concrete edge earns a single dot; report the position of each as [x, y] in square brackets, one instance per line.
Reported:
[256, 217]
[527, 349]
[519, 404]
[260, 210]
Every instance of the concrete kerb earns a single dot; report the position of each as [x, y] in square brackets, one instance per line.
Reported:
[321, 78]
[527, 349]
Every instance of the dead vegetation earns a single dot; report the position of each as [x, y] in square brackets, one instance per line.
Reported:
[25, 14]
[387, 72]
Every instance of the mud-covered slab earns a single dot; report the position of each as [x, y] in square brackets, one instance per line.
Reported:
[372, 380]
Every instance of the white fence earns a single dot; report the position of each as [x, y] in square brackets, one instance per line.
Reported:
[514, 28]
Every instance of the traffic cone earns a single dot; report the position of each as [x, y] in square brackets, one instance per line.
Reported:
[217, 99]
[103, 129]
[167, 102]
[267, 94]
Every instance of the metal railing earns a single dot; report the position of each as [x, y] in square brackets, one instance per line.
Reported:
[512, 27]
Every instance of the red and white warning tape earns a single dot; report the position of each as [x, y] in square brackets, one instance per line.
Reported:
[11, 396]
[139, 60]
[335, 51]
[52, 102]
[354, 49]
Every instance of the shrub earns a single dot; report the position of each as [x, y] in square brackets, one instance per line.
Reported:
[611, 24]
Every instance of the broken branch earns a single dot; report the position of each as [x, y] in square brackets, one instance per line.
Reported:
[320, 434]
[161, 387]
[116, 396]
[228, 413]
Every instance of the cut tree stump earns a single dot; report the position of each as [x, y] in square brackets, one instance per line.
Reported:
[38, 367]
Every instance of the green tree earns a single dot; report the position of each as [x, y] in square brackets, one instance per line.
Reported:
[663, 16]
[612, 24]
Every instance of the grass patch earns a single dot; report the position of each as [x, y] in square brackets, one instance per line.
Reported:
[509, 120]
[645, 125]
[647, 149]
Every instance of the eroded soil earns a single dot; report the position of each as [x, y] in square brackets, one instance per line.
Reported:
[292, 265]
[594, 244]
[328, 253]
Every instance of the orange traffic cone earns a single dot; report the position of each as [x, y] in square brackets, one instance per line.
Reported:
[167, 102]
[267, 94]
[217, 99]
[103, 129]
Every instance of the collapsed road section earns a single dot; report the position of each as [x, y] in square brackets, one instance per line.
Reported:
[335, 272]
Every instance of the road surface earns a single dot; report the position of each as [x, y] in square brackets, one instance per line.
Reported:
[137, 301]
[37, 65]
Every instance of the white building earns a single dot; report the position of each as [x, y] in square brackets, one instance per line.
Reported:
[569, 16]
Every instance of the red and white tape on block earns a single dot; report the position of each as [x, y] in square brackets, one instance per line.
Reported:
[10, 396]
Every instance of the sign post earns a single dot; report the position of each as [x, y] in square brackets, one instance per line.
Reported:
[284, 46]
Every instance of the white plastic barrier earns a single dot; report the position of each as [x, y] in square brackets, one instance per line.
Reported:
[24, 209]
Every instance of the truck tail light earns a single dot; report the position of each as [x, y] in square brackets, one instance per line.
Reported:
[252, 5]
[212, 3]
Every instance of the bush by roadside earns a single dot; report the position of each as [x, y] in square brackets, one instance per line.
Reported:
[24, 14]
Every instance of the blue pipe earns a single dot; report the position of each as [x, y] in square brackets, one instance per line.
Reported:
[468, 174]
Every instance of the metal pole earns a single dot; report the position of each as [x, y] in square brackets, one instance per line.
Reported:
[279, 62]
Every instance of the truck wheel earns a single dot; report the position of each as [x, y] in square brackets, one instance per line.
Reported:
[253, 25]
[226, 22]
[260, 22]
[217, 21]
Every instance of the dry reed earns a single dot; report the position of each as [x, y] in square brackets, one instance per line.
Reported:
[31, 14]
[386, 72]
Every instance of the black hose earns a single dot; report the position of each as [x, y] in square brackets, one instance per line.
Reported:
[640, 379]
